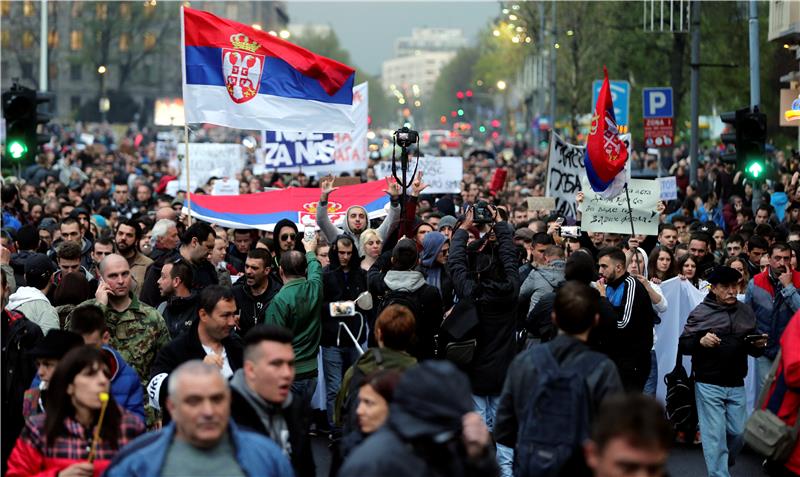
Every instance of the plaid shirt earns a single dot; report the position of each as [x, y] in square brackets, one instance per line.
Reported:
[77, 443]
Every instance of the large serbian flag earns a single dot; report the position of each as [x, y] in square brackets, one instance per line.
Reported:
[240, 77]
[606, 154]
[263, 210]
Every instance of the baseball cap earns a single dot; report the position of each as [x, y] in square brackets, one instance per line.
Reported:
[447, 221]
[56, 344]
[39, 265]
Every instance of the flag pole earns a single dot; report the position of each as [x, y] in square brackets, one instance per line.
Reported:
[630, 211]
[186, 161]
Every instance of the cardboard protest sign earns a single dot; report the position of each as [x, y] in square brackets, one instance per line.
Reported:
[602, 215]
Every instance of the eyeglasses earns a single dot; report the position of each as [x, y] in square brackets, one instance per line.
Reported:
[286, 237]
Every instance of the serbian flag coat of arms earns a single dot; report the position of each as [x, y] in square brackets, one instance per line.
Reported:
[239, 77]
[606, 154]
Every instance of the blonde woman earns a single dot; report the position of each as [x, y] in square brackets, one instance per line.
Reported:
[372, 245]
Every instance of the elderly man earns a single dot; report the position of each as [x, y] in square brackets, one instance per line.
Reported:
[719, 335]
[165, 236]
[202, 440]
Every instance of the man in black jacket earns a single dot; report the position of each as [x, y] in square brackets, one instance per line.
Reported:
[719, 334]
[261, 397]
[210, 339]
[180, 307]
[342, 280]
[576, 310]
[486, 271]
[629, 344]
[255, 290]
[196, 244]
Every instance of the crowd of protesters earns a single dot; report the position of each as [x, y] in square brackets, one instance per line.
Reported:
[459, 335]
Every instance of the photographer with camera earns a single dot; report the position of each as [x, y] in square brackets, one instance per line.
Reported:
[486, 273]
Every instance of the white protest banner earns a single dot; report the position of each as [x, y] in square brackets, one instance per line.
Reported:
[669, 188]
[225, 187]
[443, 174]
[541, 203]
[321, 152]
[207, 160]
[603, 215]
[565, 170]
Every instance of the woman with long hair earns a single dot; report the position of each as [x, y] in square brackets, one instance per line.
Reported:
[372, 245]
[738, 264]
[660, 265]
[687, 269]
[61, 441]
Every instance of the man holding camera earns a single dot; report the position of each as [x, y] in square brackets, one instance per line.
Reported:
[486, 272]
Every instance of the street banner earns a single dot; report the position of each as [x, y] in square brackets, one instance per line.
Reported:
[322, 153]
[298, 204]
[611, 215]
[443, 174]
[207, 160]
[240, 77]
[565, 170]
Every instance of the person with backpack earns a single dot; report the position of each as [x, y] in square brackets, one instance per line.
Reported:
[552, 391]
[719, 334]
[404, 285]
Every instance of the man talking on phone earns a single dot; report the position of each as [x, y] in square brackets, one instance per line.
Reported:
[719, 335]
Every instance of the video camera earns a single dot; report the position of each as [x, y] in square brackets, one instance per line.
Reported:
[481, 213]
[406, 137]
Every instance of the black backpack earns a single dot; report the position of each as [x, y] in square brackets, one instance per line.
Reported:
[680, 403]
[407, 298]
[557, 418]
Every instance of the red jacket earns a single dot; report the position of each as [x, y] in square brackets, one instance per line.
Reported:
[789, 406]
[33, 456]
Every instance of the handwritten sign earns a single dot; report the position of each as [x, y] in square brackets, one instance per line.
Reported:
[541, 203]
[669, 188]
[565, 171]
[207, 160]
[225, 187]
[443, 174]
[602, 215]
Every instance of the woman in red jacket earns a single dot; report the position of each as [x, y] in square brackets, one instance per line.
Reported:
[59, 442]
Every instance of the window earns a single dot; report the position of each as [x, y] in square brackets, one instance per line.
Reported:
[27, 8]
[27, 39]
[101, 11]
[231, 10]
[52, 39]
[149, 41]
[124, 41]
[74, 103]
[27, 69]
[5, 8]
[75, 72]
[76, 40]
[5, 38]
[76, 9]
[124, 10]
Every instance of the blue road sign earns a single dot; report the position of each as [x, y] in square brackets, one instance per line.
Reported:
[620, 94]
[657, 102]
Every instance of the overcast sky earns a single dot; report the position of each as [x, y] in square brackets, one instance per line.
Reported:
[368, 29]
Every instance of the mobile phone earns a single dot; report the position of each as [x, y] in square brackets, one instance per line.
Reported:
[309, 233]
[342, 308]
[559, 221]
[751, 338]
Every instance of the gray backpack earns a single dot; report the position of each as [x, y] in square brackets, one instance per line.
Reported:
[765, 432]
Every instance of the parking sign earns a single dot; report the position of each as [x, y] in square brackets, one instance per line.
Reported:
[657, 102]
[620, 94]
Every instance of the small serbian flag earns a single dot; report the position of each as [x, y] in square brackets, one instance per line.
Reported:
[606, 154]
[240, 77]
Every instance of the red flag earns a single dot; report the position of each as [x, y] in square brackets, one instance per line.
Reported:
[606, 154]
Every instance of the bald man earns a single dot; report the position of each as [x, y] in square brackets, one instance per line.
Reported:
[137, 330]
[166, 213]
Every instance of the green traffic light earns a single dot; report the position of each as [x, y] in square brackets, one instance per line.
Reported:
[754, 169]
[460, 112]
[482, 129]
[17, 149]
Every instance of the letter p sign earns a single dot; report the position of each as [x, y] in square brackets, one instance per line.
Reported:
[657, 102]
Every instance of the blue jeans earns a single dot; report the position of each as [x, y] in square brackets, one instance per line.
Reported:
[722, 412]
[303, 389]
[486, 406]
[335, 361]
[652, 381]
[763, 365]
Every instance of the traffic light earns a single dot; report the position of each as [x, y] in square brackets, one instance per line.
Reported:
[748, 139]
[468, 93]
[23, 116]
[460, 112]
[459, 95]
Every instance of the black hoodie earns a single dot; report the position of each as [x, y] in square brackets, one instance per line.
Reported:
[338, 285]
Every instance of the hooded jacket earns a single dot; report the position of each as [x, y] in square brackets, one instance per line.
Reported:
[179, 313]
[726, 364]
[338, 285]
[494, 291]
[330, 231]
[34, 304]
[17, 263]
[284, 223]
[86, 252]
[422, 436]
[779, 200]
[773, 305]
[542, 281]
[436, 274]
[252, 308]
[285, 424]
[425, 296]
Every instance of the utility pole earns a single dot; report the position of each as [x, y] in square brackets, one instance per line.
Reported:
[553, 72]
[755, 85]
[43, 73]
[694, 145]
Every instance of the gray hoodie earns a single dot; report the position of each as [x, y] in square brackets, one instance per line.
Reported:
[331, 232]
[404, 280]
[32, 303]
[542, 281]
[273, 421]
